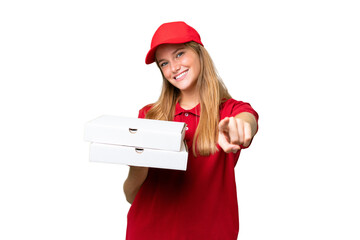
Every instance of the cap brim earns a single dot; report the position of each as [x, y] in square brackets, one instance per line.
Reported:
[150, 57]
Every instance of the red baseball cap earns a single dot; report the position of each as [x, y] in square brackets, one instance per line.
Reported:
[172, 32]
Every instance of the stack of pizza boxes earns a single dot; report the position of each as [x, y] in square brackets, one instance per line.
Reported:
[137, 142]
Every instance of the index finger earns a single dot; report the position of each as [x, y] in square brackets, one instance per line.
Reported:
[224, 125]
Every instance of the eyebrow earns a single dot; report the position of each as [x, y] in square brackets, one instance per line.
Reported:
[180, 48]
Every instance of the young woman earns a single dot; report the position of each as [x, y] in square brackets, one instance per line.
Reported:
[201, 202]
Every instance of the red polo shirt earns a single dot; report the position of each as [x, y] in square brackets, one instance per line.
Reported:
[199, 203]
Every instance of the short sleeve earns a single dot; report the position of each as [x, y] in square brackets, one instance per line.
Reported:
[232, 107]
[240, 107]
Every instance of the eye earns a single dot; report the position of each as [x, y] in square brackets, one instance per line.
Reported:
[163, 64]
[179, 54]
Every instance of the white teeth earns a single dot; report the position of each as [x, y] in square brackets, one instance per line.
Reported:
[181, 75]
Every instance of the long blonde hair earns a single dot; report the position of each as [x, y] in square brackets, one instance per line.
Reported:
[212, 92]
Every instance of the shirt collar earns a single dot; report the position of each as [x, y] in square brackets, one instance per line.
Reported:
[195, 110]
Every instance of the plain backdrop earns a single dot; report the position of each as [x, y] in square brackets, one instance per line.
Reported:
[63, 63]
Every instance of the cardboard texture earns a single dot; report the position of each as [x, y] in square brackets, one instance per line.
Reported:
[139, 157]
[137, 142]
[144, 133]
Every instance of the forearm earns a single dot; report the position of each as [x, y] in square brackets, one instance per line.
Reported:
[134, 181]
[249, 118]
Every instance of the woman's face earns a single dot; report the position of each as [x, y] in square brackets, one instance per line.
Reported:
[180, 65]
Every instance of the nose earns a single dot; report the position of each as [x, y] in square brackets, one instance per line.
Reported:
[175, 67]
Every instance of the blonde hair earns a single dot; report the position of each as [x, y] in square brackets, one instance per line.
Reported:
[212, 93]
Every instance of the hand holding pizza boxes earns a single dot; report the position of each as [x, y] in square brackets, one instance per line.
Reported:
[137, 142]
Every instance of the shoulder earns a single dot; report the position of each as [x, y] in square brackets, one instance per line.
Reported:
[143, 111]
[232, 107]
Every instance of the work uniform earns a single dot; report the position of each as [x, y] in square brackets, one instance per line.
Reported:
[199, 203]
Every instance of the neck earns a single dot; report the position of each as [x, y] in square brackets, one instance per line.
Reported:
[189, 100]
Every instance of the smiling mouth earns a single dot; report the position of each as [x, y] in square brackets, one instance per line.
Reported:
[181, 75]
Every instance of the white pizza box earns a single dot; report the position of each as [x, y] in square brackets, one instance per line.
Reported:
[136, 132]
[132, 156]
